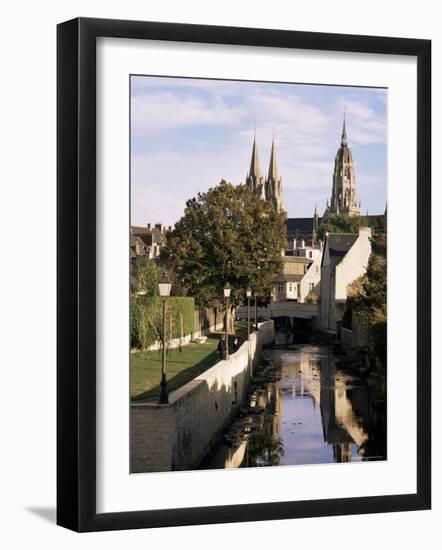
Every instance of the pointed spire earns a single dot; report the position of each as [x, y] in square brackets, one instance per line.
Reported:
[273, 170]
[344, 132]
[315, 226]
[255, 170]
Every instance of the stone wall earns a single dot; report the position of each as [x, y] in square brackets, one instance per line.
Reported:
[178, 436]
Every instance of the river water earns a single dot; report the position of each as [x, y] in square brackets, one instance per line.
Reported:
[303, 409]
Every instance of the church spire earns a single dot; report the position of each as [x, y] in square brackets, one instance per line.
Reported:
[344, 141]
[273, 169]
[255, 170]
[255, 180]
[315, 226]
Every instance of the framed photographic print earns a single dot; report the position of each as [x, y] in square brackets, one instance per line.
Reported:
[243, 274]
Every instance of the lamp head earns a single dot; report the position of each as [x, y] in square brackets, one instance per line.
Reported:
[227, 290]
[164, 286]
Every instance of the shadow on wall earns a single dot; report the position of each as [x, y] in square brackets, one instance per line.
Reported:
[181, 378]
[192, 443]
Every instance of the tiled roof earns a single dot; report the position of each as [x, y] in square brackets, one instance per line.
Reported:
[340, 243]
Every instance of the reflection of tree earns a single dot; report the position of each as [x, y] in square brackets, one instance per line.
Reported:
[263, 449]
[375, 425]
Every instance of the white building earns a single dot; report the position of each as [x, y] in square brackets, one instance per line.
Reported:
[300, 276]
[345, 259]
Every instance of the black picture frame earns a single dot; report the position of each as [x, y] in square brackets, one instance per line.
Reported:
[76, 273]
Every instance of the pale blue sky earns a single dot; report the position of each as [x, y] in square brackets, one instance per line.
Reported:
[188, 134]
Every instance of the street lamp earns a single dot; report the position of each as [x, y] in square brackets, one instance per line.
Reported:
[226, 300]
[272, 299]
[256, 312]
[249, 295]
[164, 286]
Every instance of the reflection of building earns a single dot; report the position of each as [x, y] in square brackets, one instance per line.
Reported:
[341, 426]
[345, 259]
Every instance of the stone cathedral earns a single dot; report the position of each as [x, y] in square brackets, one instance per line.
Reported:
[343, 200]
[269, 188]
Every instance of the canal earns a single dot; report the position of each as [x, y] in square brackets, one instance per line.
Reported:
[302, 408]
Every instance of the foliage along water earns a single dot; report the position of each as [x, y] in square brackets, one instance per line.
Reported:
[303, 409]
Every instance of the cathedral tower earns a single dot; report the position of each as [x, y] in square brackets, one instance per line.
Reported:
[344, 199]
[273, 184]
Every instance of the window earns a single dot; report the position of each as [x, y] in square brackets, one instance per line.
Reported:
[280, 287]
[311, 286]
[310, 254]
[290, 287]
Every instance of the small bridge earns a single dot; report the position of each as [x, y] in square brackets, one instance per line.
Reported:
[293, 310]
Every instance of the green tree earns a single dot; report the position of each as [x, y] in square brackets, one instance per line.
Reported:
[368, 295]
[226, 235]
[340, 223]
[144, 276]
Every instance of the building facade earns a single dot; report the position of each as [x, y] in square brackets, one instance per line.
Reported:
[148, 241]
[345, 258]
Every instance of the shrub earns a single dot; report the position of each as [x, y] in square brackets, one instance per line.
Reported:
[147, 319]
[311, 298]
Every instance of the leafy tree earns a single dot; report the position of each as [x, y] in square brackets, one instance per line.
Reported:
[340, 223]
[144, 276]
[226, 235]
[368, 295]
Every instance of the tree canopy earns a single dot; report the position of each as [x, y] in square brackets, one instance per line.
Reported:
[144, 276]
[340, 223]
[227, 235]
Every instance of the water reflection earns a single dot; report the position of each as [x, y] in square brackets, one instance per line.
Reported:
[303, 410]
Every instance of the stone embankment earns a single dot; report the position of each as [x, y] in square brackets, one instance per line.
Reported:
[178, 436]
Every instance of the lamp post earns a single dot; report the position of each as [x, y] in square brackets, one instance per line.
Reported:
[249, 295]
[226, 303]
[256, 312]
[272, 299]
[164, 286]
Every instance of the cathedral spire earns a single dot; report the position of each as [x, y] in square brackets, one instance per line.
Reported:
[273, 170]
[255, 170]
[344, 141]
[315, 225]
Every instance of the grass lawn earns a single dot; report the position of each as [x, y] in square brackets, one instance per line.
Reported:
[181, 367]
[145, 367]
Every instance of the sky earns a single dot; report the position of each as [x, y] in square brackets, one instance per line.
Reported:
[188, 134]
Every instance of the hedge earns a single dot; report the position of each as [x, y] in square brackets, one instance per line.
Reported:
[147, 319]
